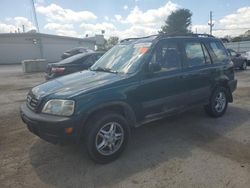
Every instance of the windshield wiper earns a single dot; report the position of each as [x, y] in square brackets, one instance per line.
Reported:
[101, 69]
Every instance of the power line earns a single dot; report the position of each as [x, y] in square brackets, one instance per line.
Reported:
[224, 29]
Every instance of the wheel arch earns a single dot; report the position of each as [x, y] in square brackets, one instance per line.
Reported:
[224, 82]
[121, 107]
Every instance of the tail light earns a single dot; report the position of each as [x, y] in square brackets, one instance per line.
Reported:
[57, 69]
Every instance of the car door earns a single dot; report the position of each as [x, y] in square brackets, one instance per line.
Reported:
[163, 91]
[196, 72]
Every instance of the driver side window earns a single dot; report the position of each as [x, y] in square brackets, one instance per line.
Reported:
[167, 55]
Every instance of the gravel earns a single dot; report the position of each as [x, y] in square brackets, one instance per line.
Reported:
[188, 150]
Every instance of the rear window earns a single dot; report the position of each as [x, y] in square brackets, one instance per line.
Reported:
[219, 52]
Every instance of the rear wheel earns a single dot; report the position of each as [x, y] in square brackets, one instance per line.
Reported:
[218, 102]
[106, 136]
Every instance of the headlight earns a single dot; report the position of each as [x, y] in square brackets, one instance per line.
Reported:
[59, 107]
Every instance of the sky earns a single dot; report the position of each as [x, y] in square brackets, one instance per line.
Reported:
[130, 18]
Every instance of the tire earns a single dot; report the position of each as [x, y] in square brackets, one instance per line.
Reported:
[110, 132]
[218, 102]
[244, 66]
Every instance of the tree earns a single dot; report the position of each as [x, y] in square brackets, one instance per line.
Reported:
[112, 41]
[178, 23]
[242, 37]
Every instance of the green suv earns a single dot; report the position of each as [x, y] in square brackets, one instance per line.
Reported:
[137, 81]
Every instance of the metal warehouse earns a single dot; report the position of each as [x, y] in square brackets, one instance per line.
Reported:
[15, 47]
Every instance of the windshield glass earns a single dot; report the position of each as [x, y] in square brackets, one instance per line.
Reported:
[122, 58]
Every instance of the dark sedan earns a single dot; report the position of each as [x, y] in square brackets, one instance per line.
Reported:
[75, 51]
[239, 60]
[72, 64]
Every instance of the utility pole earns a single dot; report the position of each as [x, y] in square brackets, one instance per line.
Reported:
[40, 44]
[210, 23]
[35, 17]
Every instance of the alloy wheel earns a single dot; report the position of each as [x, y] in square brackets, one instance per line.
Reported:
[109, 138]
[220, 102]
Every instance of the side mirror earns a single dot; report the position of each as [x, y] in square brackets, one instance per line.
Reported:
[154, 67]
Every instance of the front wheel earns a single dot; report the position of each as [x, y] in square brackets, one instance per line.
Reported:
[106, 137]
[218, 102]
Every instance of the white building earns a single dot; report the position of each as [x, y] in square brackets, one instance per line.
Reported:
[15, 47]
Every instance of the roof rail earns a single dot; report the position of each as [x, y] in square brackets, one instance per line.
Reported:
[188, 34]
[167, 35]
[136, 38]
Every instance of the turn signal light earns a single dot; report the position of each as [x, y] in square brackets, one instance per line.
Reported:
[69, 130]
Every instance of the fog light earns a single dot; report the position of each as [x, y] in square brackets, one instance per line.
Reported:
[69, 130]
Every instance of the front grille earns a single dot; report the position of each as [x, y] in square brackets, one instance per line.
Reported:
[32, 102]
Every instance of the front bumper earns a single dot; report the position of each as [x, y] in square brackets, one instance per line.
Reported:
[50, 128]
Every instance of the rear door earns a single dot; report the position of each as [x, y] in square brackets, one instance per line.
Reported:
[197, 71]
[222, 66]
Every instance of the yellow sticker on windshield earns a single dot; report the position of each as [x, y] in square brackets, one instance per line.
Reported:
[143, 50]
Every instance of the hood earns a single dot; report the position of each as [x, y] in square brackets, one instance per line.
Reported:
[74, 83]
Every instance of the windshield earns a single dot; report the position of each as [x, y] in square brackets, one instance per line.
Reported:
[122, 58]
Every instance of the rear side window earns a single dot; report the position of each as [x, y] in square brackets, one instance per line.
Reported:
[219, 52]
[194, 54]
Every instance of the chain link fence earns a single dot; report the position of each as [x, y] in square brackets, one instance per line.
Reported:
[240, 47]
